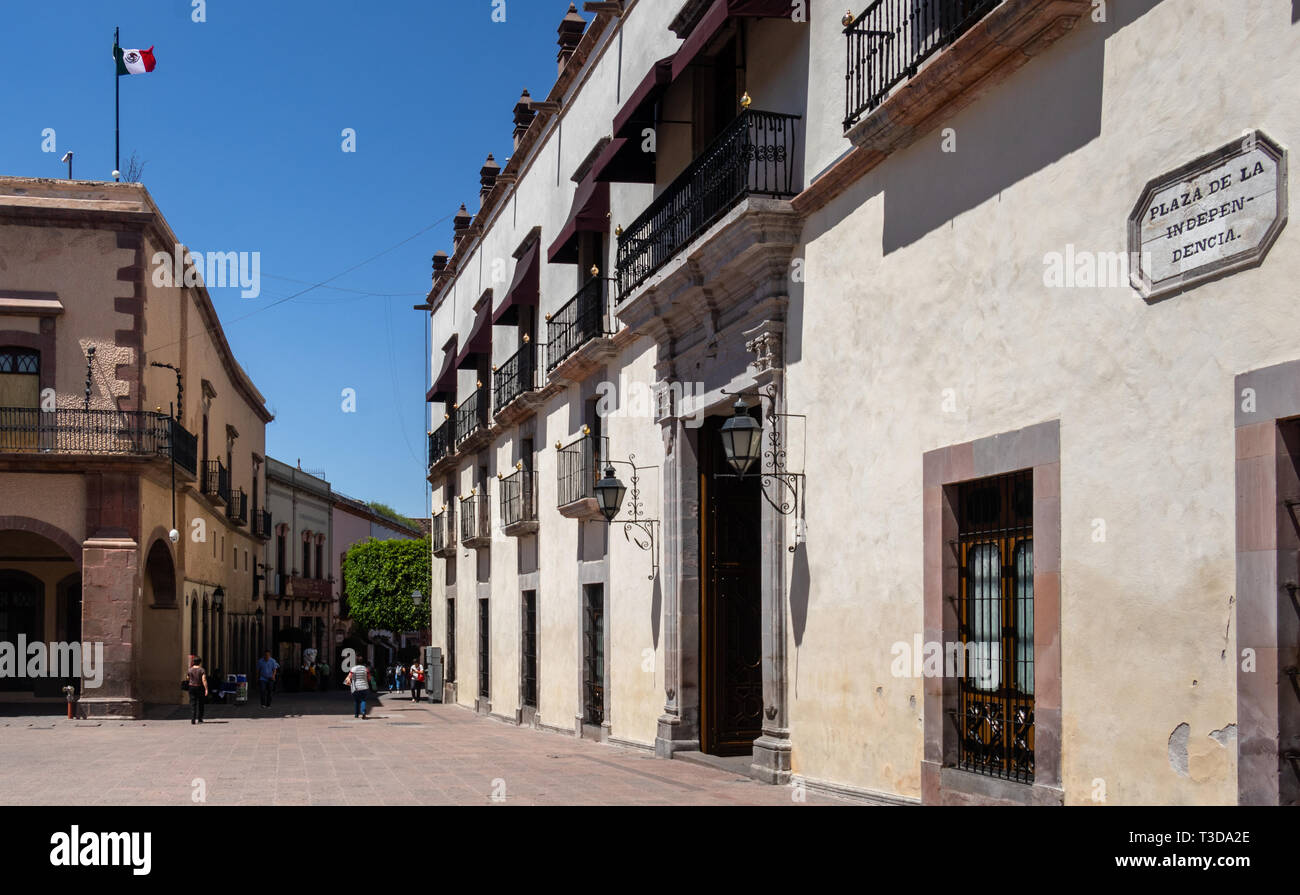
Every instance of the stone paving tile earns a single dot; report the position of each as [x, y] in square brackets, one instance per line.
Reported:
[308, 750]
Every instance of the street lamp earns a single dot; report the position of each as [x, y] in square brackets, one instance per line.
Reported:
[218, 598]
[609, 497]
[742, 444]
[742, 437]
[609, 494]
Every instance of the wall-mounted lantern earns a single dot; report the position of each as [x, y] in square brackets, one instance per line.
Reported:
[742, 444]
[610, 492]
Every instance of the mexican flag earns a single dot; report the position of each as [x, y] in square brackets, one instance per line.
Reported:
[133, 62]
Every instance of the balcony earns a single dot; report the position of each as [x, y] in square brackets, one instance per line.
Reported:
[518, 504]
[440, 446]
[754, 156]
[471, 417]
[443, 533]
[262, 524]
[515, 378]
[475, 521]
[76, 432]
[578, 470]
[579, 323]
[216, 482]
[890, 40]
[237, 507]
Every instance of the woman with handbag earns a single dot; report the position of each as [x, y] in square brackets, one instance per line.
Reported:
[417, 680]
[196, 681]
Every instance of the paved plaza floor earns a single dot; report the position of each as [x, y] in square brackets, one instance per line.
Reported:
[308, 750]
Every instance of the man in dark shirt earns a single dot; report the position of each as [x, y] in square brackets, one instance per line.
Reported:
[197, 678]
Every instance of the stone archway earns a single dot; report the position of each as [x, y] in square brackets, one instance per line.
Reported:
[161, 654]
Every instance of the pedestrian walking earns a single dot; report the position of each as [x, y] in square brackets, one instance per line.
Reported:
[267, 671]
[324, 674]
[358, 680]
[390, 677]
[197, 678]
[417, 680]
[401, 678]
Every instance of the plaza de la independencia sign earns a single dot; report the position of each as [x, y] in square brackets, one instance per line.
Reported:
[1212, 217]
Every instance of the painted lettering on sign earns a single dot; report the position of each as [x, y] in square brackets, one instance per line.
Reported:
[1217, 215]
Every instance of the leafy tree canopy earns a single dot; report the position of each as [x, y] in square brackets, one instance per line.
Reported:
[380, 578]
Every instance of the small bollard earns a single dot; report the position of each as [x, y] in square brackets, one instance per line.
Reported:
[71, 693]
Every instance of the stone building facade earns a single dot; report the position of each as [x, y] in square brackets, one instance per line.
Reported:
[1009, 306]
[300, 571]
[104, 453]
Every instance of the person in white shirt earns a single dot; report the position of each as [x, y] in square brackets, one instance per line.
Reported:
[417, 680]
[358, 680]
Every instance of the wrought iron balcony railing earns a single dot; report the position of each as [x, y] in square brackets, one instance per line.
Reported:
[262, 523]
[438, 532]
[515, 377]
[111, 432]
[475, 519]
[237, 507]
[216, 481]
[890, 40]
[754, 156]
[440, 445]
[471, 415]
[578, 469]
[517, 500]
[580, 320]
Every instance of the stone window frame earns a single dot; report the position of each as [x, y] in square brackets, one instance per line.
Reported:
[1265, 561]
[1036, 448]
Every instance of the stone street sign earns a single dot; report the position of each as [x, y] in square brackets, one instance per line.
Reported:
[1214, 216]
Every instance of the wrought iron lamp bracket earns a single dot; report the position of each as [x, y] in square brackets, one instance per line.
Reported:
[773, 472]
[649, 528]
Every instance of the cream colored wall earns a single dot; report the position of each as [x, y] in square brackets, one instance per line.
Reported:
[1143, 393]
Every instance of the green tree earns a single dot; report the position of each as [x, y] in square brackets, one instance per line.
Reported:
[381, 576]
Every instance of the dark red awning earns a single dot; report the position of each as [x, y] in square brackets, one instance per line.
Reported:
[444, 387]
[714, 20]
[480, 335]
[589, 214]
[525, 289]
[638, 112]
[623, 161]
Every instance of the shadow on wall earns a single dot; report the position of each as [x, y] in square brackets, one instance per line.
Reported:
[656, 611]
[800, 594]
[1042, 113]
[1295, 11]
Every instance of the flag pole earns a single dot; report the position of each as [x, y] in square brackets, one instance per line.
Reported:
[117, 108]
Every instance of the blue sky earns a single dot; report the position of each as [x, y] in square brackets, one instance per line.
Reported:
[240, 127]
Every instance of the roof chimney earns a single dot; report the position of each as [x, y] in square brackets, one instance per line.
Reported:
[570, 31]
[460, 223]
[524, 116]
[487, 177]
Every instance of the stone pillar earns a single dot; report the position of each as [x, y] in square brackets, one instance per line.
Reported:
[110, 581]
[772, 750]
[679, 726]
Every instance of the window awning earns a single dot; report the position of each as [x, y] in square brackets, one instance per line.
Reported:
[589, 214]
[623, 161]
[716, 18]
[480, 335]
[525, 289]
[638, 112]
[444, 387]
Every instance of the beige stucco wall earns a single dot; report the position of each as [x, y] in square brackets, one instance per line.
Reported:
[81, 266]
[1143, 393]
